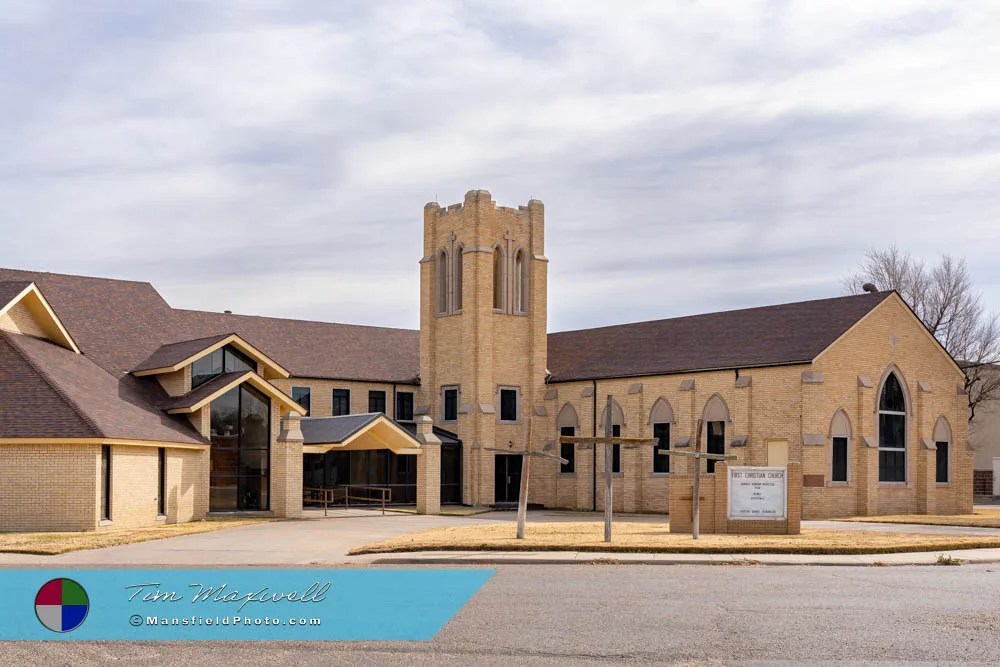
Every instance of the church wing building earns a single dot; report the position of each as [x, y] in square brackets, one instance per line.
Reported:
[118, 410]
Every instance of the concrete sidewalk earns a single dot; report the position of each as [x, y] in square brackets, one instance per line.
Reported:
[973, 556]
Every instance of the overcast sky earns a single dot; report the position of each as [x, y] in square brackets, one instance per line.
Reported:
[274, 157]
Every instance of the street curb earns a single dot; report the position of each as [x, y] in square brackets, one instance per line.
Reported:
[749, 561]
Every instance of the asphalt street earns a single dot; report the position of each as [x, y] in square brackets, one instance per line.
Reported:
[635, 614]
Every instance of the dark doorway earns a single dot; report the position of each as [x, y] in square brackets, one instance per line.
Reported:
[451, 474]
[507, 480]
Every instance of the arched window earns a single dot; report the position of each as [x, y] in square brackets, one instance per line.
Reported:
[567, 421]
[457, 299]
[715, 416]
[520, 282]
[840, 438]
[942, 440]
[892, 431]
[661, 416]
[499, 279]
[441, 281]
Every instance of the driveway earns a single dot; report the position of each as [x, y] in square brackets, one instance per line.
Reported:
[320, 540]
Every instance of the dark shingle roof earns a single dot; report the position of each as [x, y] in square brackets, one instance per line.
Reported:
[122, 325]
[174, 353]
[116, 323]
[317, 349]
[81, 399]
[11, 288]
[202, 391]
[767, 336]
[331, 430]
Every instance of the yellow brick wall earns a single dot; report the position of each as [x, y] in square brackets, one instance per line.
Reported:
[778, 404]
[49, 487]
[867, 350]
[321, 394]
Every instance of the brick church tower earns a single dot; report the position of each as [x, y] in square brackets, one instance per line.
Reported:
[483, 333]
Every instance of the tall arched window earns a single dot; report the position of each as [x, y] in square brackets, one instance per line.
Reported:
[457, 299]
[499, 279]
[568, 422]
[892, 432]
[942, 441]
[715, 416]
[840, 439]
[520, 282]
[441, 281]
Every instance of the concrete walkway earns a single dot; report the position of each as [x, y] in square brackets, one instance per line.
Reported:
[324, 541]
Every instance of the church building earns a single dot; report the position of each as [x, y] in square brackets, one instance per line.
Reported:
[119, 410]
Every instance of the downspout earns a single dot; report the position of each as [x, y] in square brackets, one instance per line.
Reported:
[593, 493]
[395, 407]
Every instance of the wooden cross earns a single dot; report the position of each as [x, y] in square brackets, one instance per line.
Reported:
[525, 453]
[608, 441]
[698, 455]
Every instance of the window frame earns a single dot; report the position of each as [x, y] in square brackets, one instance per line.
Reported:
[499, 279]
[456, 280]
[308, 395]
[399, 396]
[343, 393]
[373, 394]
[161, 482]
[517, 404]
[833, 459]
[442, 284]
[657, 457]
[947, 463]
[106, 484]
[567, 468]
[879, 412]
[445, 390]
[710, 463]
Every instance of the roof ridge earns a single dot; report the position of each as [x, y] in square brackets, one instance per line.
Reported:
[78, 275]
[294, 319]
[54, 386]
[884, 294]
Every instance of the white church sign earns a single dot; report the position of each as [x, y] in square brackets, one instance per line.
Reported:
[758, 493]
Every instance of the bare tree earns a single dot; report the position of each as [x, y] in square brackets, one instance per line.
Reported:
[945, 300]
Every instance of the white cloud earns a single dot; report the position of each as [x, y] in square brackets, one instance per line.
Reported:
[717, 154]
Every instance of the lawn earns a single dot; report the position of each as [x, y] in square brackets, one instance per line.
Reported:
[50, 544]
[989, 518]
[655, 538]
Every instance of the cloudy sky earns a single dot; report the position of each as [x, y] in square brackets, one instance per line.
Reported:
[273, 157]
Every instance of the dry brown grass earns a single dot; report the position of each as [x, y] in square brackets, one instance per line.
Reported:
[980, 519]
[655, 538]
[49, 544]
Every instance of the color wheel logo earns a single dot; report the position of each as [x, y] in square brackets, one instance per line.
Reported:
[62, 605]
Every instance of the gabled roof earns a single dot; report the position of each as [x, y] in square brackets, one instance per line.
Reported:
[204, 394]
[194, 399]
[793, 333]
[171, 354]
[13, 293]
[352, 432]
[56, 393]
[175, 356]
